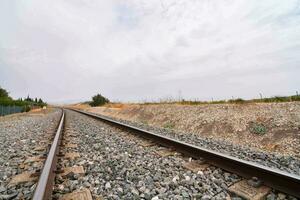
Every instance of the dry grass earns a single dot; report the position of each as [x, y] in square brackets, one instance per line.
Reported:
[33, 112]
[80, 106]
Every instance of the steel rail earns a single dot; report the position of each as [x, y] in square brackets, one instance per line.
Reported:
[45, 184]
[275, 178]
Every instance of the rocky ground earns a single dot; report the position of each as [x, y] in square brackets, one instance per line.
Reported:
[118, 167]
[20, 134]
[286, 163]
[272, 127]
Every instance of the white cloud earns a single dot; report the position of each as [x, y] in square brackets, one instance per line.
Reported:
[137, 49]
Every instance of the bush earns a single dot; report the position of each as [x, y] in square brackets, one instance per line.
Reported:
[238, 100]
[295, 98]
[26, 108]
[169, 125]
[281, 99]
[98, 100]
[258, 128]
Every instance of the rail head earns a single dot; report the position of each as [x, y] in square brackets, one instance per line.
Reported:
[275, 178]
[45, 184]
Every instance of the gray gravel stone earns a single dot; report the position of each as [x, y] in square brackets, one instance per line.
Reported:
[271, 196]
[117, 167]
[206, 197]
[255, 182]
[19, 135]
[8, 196]
[120, 168]
[284, 163]
[2, 189]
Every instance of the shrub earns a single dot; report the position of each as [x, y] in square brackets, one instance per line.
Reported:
[26, 108]
[98, 100]
[169, 125]
[258, 128]
[280, 99]
[238, 100]
[144, 122]
[295, 98]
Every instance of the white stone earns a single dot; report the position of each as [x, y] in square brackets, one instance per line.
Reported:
[107, 185]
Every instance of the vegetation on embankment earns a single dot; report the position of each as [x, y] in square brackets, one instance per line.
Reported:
[275, 99]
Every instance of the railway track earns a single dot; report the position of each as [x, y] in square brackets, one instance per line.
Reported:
[282, 181]
[46, 180]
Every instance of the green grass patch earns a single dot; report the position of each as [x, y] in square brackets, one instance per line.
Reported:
[169, 125]
[258, 128]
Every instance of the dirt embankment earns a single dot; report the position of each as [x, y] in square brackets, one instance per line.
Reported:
[267, 126]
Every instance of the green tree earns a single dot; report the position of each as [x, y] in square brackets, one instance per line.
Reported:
[98, 100]
[3, 93]
[40, 101]
[28, 99]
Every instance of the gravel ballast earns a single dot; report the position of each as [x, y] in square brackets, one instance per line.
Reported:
[19, 136]
[118, 167]
[274, 160]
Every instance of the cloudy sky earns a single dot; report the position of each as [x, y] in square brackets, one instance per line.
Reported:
[134, 50]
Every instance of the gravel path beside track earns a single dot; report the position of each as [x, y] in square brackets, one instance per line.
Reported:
[286, 163]
[19, 136]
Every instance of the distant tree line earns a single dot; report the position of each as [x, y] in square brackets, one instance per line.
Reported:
[27, 103]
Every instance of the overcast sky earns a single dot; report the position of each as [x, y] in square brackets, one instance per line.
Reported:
[133, 50]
